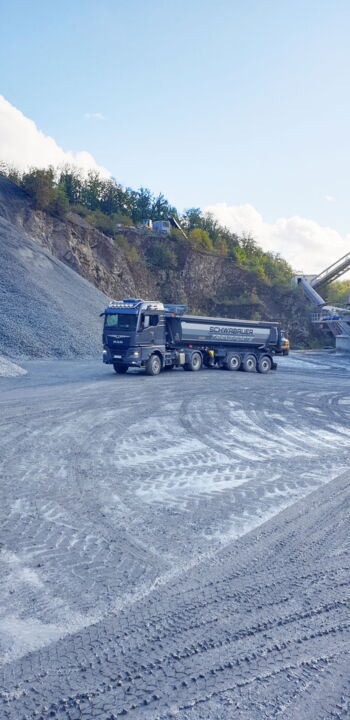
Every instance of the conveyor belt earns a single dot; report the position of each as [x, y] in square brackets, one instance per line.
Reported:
[332, 272]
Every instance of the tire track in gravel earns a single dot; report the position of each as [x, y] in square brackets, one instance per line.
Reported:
[154, 657]
[116, 525]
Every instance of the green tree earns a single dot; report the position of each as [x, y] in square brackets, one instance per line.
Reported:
[71, 182]
[101, 221]
[221, 246]
[162, 256]
[92, 190]
[113, 198]
[80, 210]
[11, 173]
[200, 239]
[132, 255]
[39, 184]
[161, 209]
[277, 270]
[191, 219]
[337, 292]
[59, 204]
[130, 252]
[249, 245]
[143, 205]
[121, 219]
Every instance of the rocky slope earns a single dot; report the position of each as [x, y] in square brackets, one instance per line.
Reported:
[208, 283]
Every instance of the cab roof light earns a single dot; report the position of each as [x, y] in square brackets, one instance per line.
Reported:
[120, 304]
[134, 303]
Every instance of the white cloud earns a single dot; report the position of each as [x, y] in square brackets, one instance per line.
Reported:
[330, 198]
[22, 145]
[305, 244]
[94, 116]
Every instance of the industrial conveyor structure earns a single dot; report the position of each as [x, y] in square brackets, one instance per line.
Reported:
[333, 272]
[335, 319]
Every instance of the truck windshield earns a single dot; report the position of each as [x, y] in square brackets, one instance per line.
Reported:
[123, 321]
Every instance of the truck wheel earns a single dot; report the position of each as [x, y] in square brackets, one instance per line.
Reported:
[195, 362]
[264, 364]
[153, 365]
[249, 363]
[233, 362]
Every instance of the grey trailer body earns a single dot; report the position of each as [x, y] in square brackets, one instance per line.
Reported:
[227, 332]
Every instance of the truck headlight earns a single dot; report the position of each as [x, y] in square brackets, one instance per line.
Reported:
[135, 353]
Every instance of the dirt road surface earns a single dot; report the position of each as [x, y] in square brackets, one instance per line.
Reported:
[175, 547]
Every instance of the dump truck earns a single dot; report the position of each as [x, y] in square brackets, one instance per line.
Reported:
[157, 336]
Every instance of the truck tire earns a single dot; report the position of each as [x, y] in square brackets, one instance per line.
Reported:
[195, 362]
[120, 369]
[233, 361]
[153, 365]
[249, 363]
[264, 364]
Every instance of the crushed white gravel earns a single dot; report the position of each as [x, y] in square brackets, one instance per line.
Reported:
[9, 368]
[46, 309]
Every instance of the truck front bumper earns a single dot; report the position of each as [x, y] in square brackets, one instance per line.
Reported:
[130, 357]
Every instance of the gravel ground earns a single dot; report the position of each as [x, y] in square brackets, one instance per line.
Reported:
[46, 308]
[178, 546]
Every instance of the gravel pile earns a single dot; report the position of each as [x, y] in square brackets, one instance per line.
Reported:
[46, 309]
[10, 369]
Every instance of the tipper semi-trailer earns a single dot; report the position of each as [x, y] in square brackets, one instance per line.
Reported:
[156, 336]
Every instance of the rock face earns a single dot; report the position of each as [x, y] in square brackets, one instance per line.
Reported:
[208, 283]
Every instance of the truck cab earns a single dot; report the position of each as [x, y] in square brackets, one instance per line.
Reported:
[133, 330]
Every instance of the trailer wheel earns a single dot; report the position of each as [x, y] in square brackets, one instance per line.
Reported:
[264, 364]
[195, 362]
[233, 362]
[120, 369]
[153, 365]
[249, 363]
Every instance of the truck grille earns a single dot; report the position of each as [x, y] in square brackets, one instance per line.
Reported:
[117, 342]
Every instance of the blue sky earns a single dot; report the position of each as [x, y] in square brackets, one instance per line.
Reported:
[210, 102]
